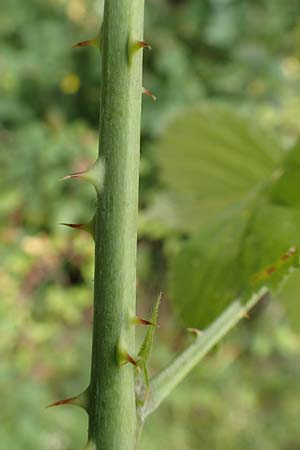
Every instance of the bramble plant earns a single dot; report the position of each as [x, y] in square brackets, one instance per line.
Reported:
[121, 395]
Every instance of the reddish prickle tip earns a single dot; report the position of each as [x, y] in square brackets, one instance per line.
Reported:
[149, 94]
[130, 360]
[140, 321]
[62, 402]
[82, 44]
[123, 357]
[73, 175]
[78, 226]
[144, 44]
[127, 358]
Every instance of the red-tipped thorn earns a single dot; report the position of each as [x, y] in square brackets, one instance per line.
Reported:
[77, 226]
[140, 321]
[134, 46]
[149, 94]
[67, 401]
[83, 44]
[129, 359]
[123, 357]
[88, 227]
[94, 175]
[94, 42]
[76, 175]
[80, 400]
[144, 44]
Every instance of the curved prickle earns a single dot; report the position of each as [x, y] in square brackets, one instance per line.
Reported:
[80, 400]
[139, 321]
[134, 46]
[149, 94]
[94, 42]
[123, 357]
[87, 227]
[94, 175]
[142, 44]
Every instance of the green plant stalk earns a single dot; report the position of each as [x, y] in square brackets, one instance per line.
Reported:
[166, 380]
[112, 412]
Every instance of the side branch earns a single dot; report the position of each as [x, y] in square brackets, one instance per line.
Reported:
[166, 380]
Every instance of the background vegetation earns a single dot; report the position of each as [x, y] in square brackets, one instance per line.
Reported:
[238, 57]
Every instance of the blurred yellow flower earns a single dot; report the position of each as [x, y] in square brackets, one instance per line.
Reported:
[70, 84]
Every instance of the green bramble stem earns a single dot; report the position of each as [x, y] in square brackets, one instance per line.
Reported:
[112, 412]
[117, 408]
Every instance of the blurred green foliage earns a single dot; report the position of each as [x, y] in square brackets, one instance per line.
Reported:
[238, 53]
[210, 159]
[234, 189]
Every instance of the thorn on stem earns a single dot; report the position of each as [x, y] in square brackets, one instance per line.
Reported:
[140, 321]
[66, 401]
[77, 226]
[75, 175]
[83, 44]
[80, 400]
[143, 44]
[149, 94]
[87, 227]
[94, 175]
[195, 331]
[124, 357]
[129, 359]
[94, 42]
[134, 46]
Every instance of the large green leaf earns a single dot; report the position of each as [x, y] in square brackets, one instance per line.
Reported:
[253, 245]
[210, 158]
[204, 275]
[234, 257]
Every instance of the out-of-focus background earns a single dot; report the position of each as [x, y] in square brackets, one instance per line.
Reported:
[220, 67]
